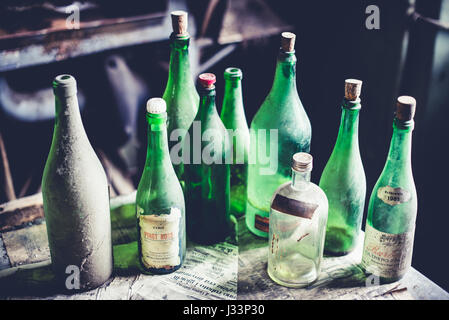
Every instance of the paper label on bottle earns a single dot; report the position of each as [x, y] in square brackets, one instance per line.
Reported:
[393, 196]
[293, 207]
[159, 235]
[261, 223]
[387, 255]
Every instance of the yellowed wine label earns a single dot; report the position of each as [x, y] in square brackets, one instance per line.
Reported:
[387, 255]
[159, 235]
[393, 196]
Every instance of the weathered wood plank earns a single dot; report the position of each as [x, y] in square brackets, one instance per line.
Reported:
[209, 272]
[20, 211]
[27, 245]
[4, 260]
[340, 278]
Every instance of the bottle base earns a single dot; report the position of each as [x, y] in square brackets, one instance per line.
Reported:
[336, 254]
[158, 271]
[376, 279]
[306, 282]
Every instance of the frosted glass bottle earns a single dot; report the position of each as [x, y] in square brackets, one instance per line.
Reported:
[343, 179]
[76, 199]
[298, 217]
[393, 205]
[279, 129]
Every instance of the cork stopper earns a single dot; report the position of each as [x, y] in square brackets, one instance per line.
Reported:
[156, 106]
[207, 80]
[64, 85]
[302, 162]
[353, 88]
[288, 41]
[405, 108]
[179, 22]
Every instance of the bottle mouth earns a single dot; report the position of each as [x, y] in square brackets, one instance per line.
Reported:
[180, 36]
[352, 104]
[302, 162]
[282, 51]
[233, 73]
[65, 85]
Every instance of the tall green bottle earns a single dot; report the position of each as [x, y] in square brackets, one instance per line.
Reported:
[76, 199]
[343, 179]
[233, 117]
[390, 223]
[207, 172]
[160, 204]
[180, 93]
[279, 129]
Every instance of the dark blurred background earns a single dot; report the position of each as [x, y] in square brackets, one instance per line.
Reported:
[119, 56]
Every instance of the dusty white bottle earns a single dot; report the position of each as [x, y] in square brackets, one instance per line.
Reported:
[76, 199]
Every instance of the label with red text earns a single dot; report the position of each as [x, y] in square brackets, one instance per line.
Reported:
[159, 235]
[387, 255]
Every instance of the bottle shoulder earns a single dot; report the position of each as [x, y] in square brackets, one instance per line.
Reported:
[313, 193]
[288, 116]
[344, 168]
[155, 197]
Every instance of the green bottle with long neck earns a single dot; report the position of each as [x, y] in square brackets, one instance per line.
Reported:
[160, 206]
[207, 173]
[279, 129]
[233, 117]
[392, 209]
[76, 198]
[343, 179]
[180, 93]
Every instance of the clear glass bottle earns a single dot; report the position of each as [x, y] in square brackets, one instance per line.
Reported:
[392, 209]
[297, 227]
[160, 206]
[343, 179]
[279, 129]
[233, 117]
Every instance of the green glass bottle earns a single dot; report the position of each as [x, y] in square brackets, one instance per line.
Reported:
[233, 117]
[279, 129]
[160, 206]
[180, 93]
[343, 179]
[390, 223]
[207, 172]
[76, 199]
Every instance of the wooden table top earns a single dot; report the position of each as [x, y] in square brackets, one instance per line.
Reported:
[222, 271]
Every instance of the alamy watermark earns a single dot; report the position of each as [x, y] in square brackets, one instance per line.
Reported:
[72, 282]
[372, 22]
[206, 147]
[73, 20]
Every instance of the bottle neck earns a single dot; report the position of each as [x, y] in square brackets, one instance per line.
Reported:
[67, 115]
[401, 144]
[285, 76]
[233, 101]
[301, 179]
[348, 132]
[157, 150]
[179, 69]
[207, 102]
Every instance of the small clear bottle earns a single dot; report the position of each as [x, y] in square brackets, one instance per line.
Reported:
[298, 217]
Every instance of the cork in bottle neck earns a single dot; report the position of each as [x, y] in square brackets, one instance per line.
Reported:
[288, 42]
[179, 21]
